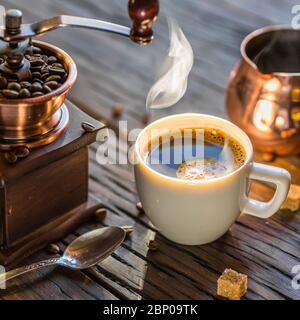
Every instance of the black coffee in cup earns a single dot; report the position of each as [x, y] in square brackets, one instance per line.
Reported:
[195, 153]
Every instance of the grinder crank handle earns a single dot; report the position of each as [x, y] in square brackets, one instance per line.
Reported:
[41, 27]
[142, 12]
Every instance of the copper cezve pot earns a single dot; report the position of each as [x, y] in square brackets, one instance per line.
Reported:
[263, 95]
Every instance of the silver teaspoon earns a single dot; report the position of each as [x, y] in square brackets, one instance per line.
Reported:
[84, 252]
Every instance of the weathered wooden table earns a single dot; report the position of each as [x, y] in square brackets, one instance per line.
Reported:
[113, 70]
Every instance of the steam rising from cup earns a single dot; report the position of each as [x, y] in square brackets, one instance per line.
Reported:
[172, 84]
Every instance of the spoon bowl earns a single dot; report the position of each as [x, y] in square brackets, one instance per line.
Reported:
[92, 247]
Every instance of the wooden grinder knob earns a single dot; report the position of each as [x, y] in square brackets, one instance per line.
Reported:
[143, 14]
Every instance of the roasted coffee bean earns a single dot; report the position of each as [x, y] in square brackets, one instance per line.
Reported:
[30, 57]
[57, 65]
[25, 84]
[117, 111]
[3, 83]
[52, 59]
[64, 77]
[1, 60]
[39, 81]
[36, 75]
[37, 94]
[128, 229]
[44, 70]
[24, 93]
[36, 86]
[87, 127]
[57, 71]
[45, 58]
[44, 76]
[36, 62]
[53, 248]
[46, 89]
[52, 84]
[152, 245]
[22, 152]
[36, 69]
[10, 157]
[100, 214]
[53, 77]
[36, 50]
[14, 86]
[12, 94]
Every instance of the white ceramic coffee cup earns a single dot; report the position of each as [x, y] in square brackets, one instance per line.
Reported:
[198, 212]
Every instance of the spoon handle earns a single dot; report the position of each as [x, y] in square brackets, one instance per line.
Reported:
[34, 266]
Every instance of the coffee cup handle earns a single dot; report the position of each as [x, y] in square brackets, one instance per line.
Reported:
[280, 177]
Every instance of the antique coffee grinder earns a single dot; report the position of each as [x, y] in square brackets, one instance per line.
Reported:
[44, 138]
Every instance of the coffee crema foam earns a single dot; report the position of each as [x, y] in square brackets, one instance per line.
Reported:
[200, 169]
[219, 137]
[219, 154]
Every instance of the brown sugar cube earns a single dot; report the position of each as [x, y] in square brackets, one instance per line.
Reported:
[292, 201]
[232, 285]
